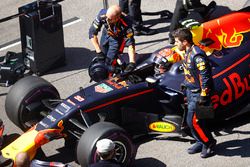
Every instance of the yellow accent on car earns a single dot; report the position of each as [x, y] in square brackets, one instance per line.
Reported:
[25, 143]
[162, 127]
[197, 37]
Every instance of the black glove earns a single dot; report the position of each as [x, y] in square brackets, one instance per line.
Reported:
[130, 67]
[101, 56]
[204, 100]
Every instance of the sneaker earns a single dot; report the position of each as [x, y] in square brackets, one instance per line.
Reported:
[144, 31]
[208, 151]
[196, 148]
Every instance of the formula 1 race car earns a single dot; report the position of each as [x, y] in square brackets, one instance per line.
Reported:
[146, 101]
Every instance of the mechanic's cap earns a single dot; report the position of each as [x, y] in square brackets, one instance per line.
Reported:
[105, 145]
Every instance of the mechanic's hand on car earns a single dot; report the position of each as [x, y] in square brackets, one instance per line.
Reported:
[204, 100]
[101, 56]
[130, 67]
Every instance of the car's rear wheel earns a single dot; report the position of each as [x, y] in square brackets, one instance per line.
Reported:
[86, 149]
[23, 103]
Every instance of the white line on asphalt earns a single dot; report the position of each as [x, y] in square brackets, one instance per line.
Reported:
[19, 42]
[73, 22]
[11, 45]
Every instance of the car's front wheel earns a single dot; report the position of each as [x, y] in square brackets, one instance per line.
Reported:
[86, 149]
[23, 103]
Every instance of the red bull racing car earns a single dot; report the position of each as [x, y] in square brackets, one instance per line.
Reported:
[148, 100]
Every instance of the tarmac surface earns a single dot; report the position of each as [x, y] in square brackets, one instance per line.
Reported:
[233, 147]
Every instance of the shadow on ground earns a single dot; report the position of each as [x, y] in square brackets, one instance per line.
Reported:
[234, 148]
[163, 17]
[238, 147]
[65, 155]
[3, 94]
[76, 59]
[149, 162]
[152, 22]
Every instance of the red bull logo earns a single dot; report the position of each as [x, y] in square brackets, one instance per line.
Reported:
[240, 86]
[226, 31]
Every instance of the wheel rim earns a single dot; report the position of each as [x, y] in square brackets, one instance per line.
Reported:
[87, 151]
[121, 152]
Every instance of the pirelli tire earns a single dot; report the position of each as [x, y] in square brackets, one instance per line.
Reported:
[98, 70]
[86, 149]
[27, 91]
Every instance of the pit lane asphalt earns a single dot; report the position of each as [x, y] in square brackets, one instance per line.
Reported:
[168, 150]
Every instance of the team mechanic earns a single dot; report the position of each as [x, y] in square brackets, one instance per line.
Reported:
[198, 83]
[116, 34]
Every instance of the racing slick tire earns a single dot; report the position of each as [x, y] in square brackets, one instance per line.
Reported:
[86, 149]
[97, 70]
[28, 91]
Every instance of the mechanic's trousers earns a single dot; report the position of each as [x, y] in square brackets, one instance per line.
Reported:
[133, 9]
[111, 47]
[198, 127]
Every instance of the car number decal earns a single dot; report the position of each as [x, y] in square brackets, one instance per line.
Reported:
[79, 98]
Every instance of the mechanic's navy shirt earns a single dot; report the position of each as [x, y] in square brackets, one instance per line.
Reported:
[122, 29]
[197, 70]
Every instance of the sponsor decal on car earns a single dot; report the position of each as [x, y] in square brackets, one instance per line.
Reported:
[71, 102]
[51, 118]
[235, 87]
[43, 124]
[115, 83]
[123, 83]
[103, 88]
[225, 32]
[64, 108]
[59, 112]
[162, 127]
